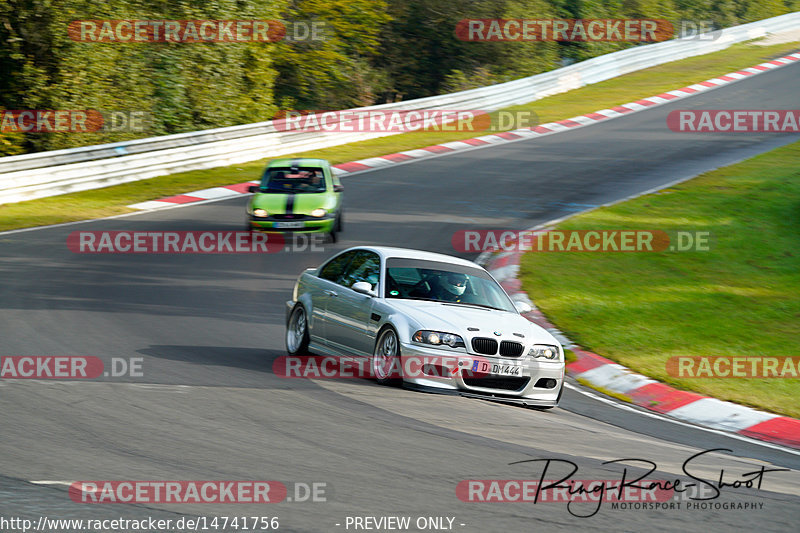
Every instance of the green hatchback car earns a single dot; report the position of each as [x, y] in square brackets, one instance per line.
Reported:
[297, 196]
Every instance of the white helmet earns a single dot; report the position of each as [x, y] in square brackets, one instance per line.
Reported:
[454, 283]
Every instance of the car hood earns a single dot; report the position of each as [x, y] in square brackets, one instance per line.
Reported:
[455, 318]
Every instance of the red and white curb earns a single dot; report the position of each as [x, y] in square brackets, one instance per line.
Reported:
[196, 196]
[646, 392]
[549, 128]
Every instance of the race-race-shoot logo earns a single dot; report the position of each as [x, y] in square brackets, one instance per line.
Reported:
[631, 490]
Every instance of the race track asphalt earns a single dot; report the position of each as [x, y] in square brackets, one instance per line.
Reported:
[208, 328]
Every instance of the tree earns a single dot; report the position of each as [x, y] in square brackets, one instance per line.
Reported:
[336, 71]
[423, 56]
[182, 86]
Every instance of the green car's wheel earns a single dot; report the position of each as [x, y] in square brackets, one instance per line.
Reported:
[337, 227]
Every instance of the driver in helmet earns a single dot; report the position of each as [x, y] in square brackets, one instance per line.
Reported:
[312, 181]
[450, 286]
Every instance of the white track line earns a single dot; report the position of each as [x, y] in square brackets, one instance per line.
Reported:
[678, 422]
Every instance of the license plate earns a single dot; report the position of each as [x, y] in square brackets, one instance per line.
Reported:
[499, 369]
[288, 225]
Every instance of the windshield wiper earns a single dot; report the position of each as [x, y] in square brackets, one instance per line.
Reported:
[480, 306]
[447, 302]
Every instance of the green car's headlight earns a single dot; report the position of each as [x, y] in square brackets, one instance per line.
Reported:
[319, 212]
[438, 338]
[261, 213]
[544, 351]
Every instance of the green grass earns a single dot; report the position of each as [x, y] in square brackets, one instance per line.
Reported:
[112, 200]
[740, 298]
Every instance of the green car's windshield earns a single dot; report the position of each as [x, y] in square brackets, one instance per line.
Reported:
[294, 180]
[415, 279]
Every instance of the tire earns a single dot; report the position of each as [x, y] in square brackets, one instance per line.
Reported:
[297, 332]
[386, 363]
[337, 227]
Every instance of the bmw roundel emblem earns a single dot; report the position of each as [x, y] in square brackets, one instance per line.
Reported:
[497, 333]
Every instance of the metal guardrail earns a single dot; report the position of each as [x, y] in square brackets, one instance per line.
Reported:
[38, 175]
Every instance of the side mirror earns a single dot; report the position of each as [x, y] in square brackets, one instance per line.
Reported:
[253, 188]
[338, 188]
[362, 287]
[523, 307]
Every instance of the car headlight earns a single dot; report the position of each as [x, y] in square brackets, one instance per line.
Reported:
[545, 351]
[261, 213]
[319, 212]
[437, 338]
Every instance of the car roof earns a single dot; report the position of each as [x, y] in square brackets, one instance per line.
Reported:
[298, 162]
[389, 252]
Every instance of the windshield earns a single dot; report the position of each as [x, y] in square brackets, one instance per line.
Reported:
[296, 180]
[415, 279]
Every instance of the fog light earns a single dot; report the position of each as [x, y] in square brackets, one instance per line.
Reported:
[545, 383]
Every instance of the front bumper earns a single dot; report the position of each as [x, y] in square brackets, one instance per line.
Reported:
[538, 384]
[307, 225]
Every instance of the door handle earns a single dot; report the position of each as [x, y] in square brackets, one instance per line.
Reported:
[331, 293]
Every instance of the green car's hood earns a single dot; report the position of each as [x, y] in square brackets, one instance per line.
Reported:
[301, 204]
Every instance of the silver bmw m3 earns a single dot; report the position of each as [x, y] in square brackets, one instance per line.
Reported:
[431, 321]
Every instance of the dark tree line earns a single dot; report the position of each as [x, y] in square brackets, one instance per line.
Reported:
[373, 51]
